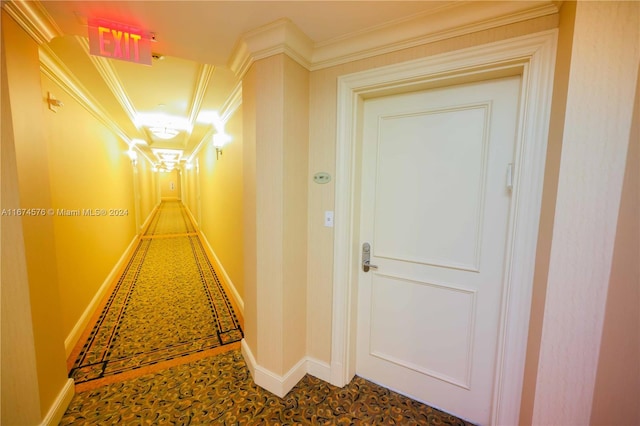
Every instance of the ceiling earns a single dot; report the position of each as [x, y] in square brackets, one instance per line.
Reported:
[192, 83]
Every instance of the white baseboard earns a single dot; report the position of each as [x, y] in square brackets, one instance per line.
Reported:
[60, 405]
[281, 385]
[148, 220]
[220, 267]
[234, 291]
[248, 357]
[274, 383]
[191, 216]
[319, 369]
[76, 332]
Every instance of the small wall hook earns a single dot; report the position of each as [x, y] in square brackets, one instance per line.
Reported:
[54, 103]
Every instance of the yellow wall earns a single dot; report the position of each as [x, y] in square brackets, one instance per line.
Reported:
[322, 158]
[39, 338]
[170, 184]
[85, 155]
[148, 189]
[189, 189]
[219, 183]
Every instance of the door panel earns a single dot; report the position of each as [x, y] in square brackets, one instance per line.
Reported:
[399, 309]
[452, 161]
[435, 208]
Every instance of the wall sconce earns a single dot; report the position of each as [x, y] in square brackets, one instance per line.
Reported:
[133, 156]
[54, 103]
[219, 141]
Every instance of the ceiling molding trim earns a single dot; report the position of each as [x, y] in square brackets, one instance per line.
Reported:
[442, 24]
[204, 77]
[110, 77]
[230, 106]
[34, 19]
[52, 67]
[449, 21]
[232, 103]
[281, 36]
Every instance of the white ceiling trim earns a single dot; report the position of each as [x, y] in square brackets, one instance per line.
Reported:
[110, 77]
[440, 24]
[282, 36]
[232, 103]
[204, 77]
[54, 69]
[230, 106]
[34, 19]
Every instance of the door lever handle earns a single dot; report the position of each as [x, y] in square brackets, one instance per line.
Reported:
[366, 265]
[366, 256]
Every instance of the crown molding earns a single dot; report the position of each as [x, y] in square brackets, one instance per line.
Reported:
[232, 103]
[204, 77]
[52, 67]
[110, 77]
[34, 19]
[230, 106]
[449, 21]
[281, 36]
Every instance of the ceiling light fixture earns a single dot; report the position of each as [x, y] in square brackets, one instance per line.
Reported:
[164, 132]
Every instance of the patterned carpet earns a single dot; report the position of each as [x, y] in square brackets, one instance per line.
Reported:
[171, 218]
[167, 305]
[219, 390]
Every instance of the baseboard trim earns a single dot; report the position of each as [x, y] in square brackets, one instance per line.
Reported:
[77, 330]
[274, 383]
[319, 369]
[281, 385]
[60, 405]
[234, 291]
[146, 223]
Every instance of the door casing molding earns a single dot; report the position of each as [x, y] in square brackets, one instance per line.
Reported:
[532, 57]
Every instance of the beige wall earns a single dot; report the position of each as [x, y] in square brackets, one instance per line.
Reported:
[33, 346]
[249, 216]
[552, 169]
[322, 158]
[617, 386]
[275, 108]
[600, 97]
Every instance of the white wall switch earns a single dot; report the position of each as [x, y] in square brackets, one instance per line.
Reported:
[328, 219]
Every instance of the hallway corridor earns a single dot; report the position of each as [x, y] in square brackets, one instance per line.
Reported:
[163, 349]
[168, 306]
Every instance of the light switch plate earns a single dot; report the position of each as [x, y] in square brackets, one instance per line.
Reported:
[328, 219]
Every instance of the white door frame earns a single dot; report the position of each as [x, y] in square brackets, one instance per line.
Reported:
[531, 56]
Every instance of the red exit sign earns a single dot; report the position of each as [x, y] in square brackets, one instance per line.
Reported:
[119, 41]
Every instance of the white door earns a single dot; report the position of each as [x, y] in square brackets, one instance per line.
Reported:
[435, 210]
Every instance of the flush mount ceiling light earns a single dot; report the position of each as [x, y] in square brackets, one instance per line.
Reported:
[164, 132]
[167, 155]
[162, 125]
